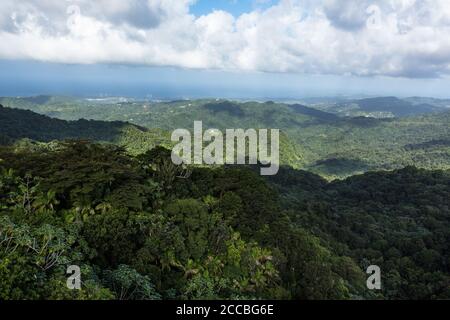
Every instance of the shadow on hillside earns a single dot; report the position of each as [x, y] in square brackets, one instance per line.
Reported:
[18, 124]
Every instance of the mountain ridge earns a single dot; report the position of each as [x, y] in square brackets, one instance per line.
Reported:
[332, 146]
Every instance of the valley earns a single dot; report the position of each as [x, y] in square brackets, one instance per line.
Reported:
[95, 184]
[318, 141]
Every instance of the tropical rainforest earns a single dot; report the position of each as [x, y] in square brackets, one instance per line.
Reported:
[92, 184]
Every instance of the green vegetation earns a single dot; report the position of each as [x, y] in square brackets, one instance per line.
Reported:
[141, 229]
[21, 126]
[386, 107]
[397, 220]
[106, 196]
[312, 140]
[135, 226]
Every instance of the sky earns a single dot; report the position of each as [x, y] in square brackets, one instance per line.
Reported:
[234, 7]
[225, 48]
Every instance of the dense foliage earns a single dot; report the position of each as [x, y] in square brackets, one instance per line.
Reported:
[140, 227]
[143, 228]
[385, 107]
[21, 126]
[313, 140]
[397, 220]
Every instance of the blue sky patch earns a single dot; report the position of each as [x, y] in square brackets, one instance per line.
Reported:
[235, 7]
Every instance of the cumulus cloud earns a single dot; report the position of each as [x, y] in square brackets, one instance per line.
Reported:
[408, 38]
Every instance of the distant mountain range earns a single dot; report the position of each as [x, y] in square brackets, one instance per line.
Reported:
[327, 143]
[385, 107]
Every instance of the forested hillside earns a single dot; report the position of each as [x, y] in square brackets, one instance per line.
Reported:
[140, 231]
[386, 107]
[24, 127]
[398, 220]
[107, 197]
[143, 228]
[18, 124]
[317, 141]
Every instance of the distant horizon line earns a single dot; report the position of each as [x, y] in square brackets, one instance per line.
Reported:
[150, 97]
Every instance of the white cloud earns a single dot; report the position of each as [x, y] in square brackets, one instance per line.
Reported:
[394, 38]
